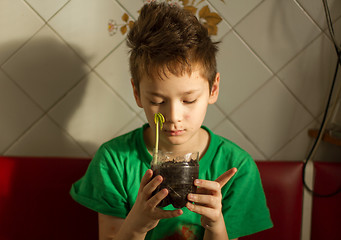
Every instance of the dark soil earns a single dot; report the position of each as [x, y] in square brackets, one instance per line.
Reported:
[178, 178]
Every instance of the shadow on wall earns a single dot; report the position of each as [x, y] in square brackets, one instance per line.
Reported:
[46, 72]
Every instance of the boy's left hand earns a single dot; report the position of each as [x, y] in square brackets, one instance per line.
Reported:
[208, 199]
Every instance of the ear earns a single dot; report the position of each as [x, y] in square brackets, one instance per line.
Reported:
[214, 90]
[136, 94]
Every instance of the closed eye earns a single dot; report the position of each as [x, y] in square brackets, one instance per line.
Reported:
[190, 102]
[156, 103]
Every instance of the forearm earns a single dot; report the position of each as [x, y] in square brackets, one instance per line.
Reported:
[124, 234]
[114, 228]
[217, 232]
[127, 231]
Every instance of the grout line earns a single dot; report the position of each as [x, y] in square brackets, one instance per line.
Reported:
[30, 126]
[59, 10]
[109, 53]
[291, 139]
[23, 44]
[299, 52]
[251, 95]
[68, 134]
[68, 91]
[32, 36]
[248, 139]
[44, 112]
[274, 74]
[25, 132]
[287, 87]
[240, 131]
[118, 132]
[36, 12]
[23, 90]
[295, 97]
[245, 16]
[254, 52]
[29, 5]
[307, 13]
[67, 44]
[126, 10]
[324, 26]
[114, 91]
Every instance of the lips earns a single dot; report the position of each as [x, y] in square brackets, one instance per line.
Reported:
[174, 132]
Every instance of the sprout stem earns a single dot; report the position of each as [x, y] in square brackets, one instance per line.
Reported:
[159, 120]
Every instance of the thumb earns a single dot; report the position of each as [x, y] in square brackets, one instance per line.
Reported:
[226, 176]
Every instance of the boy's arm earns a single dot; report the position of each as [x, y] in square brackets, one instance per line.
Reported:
[219, 231]
[108, 226]
[143, 216]
[111, 228]
[208, 204]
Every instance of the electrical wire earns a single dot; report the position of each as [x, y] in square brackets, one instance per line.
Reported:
[331, 28]
[325, 115]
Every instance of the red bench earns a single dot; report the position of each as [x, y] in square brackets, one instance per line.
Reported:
[282, 183]
[326, 214]
[35, 202]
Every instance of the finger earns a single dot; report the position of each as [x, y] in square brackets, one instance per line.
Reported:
[151, 186]
[203, 211]
[226, 176]
[157, 198]
[206, 186]
[145, 179]
[161, 214]
[205, 200]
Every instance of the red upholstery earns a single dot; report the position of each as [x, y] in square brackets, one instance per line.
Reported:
[326, 215]
[282, 182]
[35, 202]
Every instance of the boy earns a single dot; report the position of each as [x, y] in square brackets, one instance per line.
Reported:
[173, 67]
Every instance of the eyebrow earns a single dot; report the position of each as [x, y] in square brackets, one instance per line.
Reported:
[185, 93]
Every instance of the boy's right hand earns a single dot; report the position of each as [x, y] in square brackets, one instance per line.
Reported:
[145, 214]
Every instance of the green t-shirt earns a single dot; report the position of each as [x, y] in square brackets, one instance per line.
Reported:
[111, 184]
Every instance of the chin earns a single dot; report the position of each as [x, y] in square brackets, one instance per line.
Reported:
[176, 140]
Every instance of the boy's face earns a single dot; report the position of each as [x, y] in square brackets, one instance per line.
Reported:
[183, 102]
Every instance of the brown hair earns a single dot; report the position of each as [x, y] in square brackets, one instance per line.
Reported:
[167, 38]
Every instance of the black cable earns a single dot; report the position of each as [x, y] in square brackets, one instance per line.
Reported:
[316, 140]
[330, 27]
[331, 32]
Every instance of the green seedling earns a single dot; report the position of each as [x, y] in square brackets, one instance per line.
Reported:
[159, 120]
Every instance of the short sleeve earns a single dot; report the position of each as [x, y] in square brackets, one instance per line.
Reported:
[101, 188]
[244, 202]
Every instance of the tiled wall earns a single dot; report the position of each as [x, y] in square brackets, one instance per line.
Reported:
[65, 84]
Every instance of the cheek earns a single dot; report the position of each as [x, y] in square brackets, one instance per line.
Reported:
[187, 116]
[197, 115]
[150, 116]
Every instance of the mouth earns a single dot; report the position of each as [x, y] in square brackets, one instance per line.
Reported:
[174, 132]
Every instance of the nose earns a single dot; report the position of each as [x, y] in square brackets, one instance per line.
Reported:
[173, 112]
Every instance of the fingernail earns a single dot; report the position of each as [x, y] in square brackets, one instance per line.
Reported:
[159, 178]
[190, 197]
[165, 191]
[197, 181]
